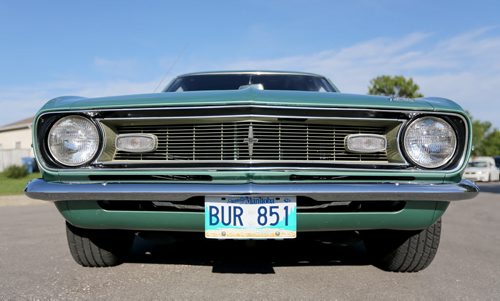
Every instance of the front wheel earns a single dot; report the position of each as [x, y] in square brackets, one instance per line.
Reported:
[98, 248]
[403, 251]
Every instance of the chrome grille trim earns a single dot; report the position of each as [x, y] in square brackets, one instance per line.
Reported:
[251, 141]
[246, 110]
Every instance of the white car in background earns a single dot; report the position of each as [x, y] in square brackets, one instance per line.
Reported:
[482, 169]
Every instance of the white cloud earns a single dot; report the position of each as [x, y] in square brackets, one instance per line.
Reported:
[21, 102]
[124, 67]
[465, 68]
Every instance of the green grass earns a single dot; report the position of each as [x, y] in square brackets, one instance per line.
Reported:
[15, 186]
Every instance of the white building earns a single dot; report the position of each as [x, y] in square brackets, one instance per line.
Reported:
[15, 142]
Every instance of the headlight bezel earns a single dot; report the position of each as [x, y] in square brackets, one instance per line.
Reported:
[451, 160]
[58, 163]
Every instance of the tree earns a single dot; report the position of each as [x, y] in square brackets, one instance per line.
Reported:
[485, 139]
[397, 86]
[491, 145]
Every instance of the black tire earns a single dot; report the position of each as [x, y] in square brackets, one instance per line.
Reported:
[98, 248]
[403, 251]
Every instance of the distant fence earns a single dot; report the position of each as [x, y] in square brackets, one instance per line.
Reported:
[10, 157]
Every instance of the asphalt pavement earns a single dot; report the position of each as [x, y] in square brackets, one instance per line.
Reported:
[35, 263]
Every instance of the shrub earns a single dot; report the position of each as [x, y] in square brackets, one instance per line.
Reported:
[16, 172]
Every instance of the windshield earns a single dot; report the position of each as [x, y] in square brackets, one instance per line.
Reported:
[478, 164]
[204, 82]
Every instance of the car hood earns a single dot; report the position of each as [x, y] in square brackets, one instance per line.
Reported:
[251, 96]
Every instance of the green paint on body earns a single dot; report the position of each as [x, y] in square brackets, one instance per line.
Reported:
[88, 214]
[251, 97]
[416, 215]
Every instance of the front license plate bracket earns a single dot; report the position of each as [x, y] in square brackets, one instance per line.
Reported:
[250, 217]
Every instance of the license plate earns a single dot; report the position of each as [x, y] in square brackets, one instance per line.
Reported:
[246, 217]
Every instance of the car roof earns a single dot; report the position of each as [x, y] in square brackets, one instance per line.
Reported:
[256, 72]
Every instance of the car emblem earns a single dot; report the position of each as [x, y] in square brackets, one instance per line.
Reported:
[251, 140]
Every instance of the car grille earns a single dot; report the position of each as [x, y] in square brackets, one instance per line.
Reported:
[251, 141]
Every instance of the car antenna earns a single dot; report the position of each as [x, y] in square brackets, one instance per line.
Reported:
[181, 54]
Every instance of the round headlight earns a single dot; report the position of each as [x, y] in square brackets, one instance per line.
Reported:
[430, 142]
[73, 140]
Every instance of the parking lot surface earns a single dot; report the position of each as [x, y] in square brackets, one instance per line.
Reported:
[35, 262]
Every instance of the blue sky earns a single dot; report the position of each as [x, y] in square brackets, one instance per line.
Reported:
[99, 48]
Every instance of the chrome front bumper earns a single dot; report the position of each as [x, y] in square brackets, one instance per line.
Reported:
[52, 191]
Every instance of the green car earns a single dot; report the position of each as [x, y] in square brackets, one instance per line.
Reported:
[253, 155]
